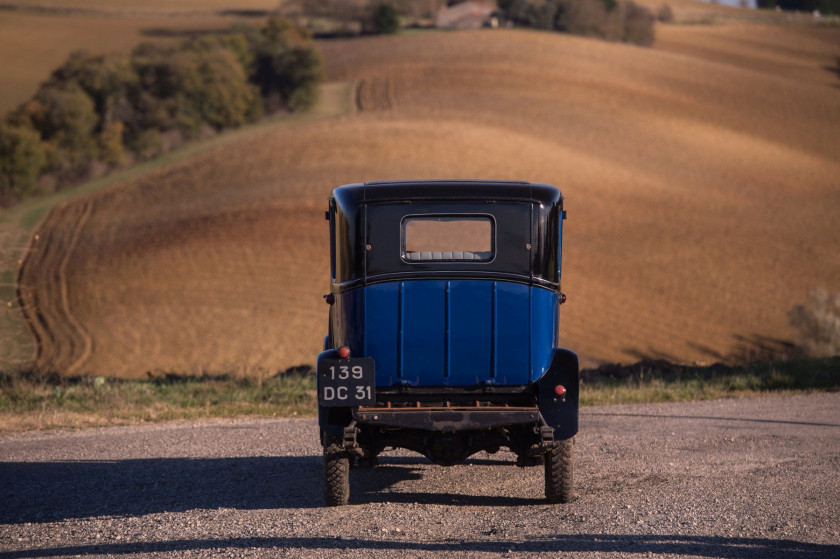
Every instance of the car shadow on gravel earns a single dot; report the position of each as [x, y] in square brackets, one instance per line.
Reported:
[50, 491]
[652, 545]
[371, 485]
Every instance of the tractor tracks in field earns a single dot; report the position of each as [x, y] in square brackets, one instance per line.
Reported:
[62, 342]
[377, 93]
[54, 296]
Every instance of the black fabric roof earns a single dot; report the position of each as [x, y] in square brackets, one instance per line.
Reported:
[451, 190]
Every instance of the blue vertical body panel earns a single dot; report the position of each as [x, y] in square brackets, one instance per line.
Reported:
[469, 336]
[422, 341]
[451, 332]
[382, 305]
[513, 332]
[543, 312]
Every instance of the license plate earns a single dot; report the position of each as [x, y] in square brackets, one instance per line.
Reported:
[346, 382]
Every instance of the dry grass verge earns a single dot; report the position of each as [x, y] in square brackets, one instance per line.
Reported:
[661, 381]
[29, 401]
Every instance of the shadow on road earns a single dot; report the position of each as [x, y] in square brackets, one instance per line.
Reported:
[51, 491]
[370, 486]
[696, 546]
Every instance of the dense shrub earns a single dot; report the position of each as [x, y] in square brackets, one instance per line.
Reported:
[66, 118]
[521, 12]
[111, 146]
[825, 7]
[818, 324]
[286, 68]
[200, 83]
[665, 14]
[62, 113]
[638, 25]
[620, 20]
[147, 144]
[355, 17]
[386, 21]
[586, 17]
[22, 157]
[108, 80]
[100, 111]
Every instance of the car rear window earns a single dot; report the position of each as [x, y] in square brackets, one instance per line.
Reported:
[447, 238]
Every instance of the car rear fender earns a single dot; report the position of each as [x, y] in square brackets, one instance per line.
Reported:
[560, 412]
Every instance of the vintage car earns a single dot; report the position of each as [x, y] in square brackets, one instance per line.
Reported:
[443, 328]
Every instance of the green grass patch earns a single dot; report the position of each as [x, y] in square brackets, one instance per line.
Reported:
[660, 381]
[29, 401]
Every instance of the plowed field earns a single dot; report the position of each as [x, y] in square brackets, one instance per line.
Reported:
[702, 180]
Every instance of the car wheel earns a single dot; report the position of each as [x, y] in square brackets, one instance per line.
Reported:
[336, 473]
[558, 472]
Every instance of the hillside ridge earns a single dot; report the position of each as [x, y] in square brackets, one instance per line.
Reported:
[702, 200]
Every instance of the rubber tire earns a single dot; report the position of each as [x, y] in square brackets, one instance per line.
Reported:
[336, 474]
[559, 469]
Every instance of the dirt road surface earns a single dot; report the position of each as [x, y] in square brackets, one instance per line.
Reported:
[730, 478]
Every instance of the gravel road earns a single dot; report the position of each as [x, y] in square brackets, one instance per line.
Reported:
[728, 478]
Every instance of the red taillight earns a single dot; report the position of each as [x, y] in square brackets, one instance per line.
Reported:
[560, 390]
[344, 352]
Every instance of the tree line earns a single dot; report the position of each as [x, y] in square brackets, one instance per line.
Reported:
[614, 20]
[98, 112]
[354, 17]
[825, 7]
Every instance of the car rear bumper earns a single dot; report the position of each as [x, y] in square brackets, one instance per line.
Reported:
[449, 418]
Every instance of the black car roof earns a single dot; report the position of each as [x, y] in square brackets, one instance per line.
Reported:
[450, 190]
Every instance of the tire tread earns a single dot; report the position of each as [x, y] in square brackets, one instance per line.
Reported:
[559, 472]
[336, 474]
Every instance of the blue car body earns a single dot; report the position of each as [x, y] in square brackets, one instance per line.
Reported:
[457, 332]
[453, 347]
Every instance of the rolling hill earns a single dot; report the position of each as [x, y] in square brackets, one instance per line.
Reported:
[702, 179]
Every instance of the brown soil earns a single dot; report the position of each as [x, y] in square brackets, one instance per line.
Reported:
[701, 179]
